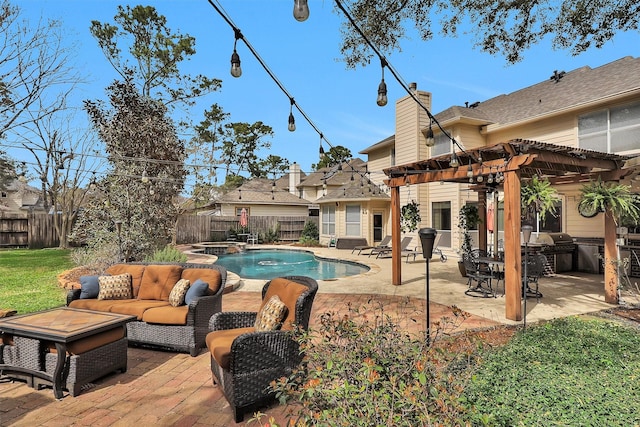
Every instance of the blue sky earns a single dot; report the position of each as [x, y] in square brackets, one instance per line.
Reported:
[305, 58]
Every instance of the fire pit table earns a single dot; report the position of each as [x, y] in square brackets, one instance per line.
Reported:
[65, 347]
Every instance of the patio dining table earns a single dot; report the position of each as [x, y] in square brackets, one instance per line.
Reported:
[496, 268]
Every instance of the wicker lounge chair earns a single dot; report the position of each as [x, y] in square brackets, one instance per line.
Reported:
[244, 361]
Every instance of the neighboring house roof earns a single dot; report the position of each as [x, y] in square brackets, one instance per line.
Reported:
[283, 181]
[21, 197]
[560, 93]
[261, 191]
[335, 175]
[356, 190]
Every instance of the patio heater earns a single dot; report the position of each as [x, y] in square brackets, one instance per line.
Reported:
[427, 238]
[526, 236]
[119, 231]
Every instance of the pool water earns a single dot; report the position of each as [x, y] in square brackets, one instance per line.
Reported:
[269, 263]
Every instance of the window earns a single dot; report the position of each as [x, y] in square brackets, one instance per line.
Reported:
[239, 210]
[442, 145]
[615, 130]
[352, 222]
[329, 219]
[441, 221]
[393, 156]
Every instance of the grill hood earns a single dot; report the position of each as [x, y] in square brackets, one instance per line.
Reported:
[553, 239]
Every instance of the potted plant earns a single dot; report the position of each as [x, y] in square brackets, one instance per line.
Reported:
[409, 217]
[468, 219]
[537, 199]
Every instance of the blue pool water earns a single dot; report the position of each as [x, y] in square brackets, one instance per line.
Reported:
[269, 263]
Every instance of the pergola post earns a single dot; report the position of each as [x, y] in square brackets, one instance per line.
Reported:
[610, 258]
[512, 255]
[396, 256]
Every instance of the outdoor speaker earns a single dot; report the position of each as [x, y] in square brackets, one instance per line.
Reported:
[427, 237]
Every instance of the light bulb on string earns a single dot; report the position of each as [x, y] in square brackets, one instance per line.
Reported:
[292, 120]
[300, 10]
[382, 87]
[236, 70]
[430, 139]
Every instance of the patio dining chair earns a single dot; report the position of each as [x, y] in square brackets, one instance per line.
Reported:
[478, 279]
[535, 269]
[249, 350]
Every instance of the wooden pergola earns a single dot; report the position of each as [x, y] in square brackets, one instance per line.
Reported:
[515, 160]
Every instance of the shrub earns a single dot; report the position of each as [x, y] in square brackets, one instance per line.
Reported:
[272, 235]
[310, 231]
[96, 258]
[363, 369]
[167, 254]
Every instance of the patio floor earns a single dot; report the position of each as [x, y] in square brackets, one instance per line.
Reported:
[163, 388]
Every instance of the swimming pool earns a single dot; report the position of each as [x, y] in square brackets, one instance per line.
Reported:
[269, 263]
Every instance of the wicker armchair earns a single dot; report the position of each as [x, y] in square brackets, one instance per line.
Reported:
[243, 361]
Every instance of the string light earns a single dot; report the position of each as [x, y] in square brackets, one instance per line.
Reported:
[292, 120]
[300, 10]
[382, 87]
[430, 139]
[236, 70]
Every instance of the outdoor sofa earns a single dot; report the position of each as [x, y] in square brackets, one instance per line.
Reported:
[161, 320]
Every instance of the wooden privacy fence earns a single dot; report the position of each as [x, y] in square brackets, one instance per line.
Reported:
[193, 229]
[35, 231]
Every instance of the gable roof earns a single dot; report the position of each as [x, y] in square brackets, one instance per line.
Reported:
[335, 175]
[261, 191]
[561, 92]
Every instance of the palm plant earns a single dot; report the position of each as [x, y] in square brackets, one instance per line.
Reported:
[538, 197]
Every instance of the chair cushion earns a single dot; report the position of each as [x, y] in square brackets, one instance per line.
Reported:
[219, 344]
[96, 304]
[115, 287]
[166, 315]
[176, 297]
[133, 269]
[289, 292]
[89, 287]
[270, 316]
[197, 289]
[209, 275]
[158, 280]
[136, 307]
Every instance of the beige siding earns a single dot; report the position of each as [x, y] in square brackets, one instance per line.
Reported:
[561, 130]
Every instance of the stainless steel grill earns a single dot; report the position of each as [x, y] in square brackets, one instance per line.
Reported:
[560, 250]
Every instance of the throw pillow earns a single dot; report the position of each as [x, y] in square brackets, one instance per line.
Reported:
[89, 287]
[115, 287]
[178, 292]
[270, 317]
[197, 289]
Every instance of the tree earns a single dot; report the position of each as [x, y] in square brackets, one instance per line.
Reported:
[35, 73]
[156, 52]
[203, 146]
[272, 165]
[145, 177]
[62, 161]
[499, 27]
[7, 171]
[241, 143]
[334, 156]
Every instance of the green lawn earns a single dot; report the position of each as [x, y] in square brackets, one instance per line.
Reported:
[28, 279]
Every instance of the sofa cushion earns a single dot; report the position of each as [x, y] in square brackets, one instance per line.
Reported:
[158, 280]
[208, 275]
[270, 316]
[196, 290]
[96, 304]
[289, 292]
[89, 287]
[136, 274]
[115, 287]
[219, 344]
[176, 297]
[166, 315]
[94, 341]
[136, 307]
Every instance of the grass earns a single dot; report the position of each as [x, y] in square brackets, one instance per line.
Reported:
[28, 279]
